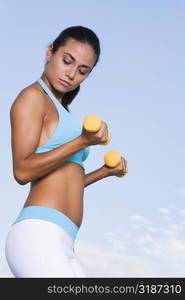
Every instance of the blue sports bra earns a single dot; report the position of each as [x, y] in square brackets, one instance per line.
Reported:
[67, 129]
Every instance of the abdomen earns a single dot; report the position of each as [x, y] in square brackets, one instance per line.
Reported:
[63, 189]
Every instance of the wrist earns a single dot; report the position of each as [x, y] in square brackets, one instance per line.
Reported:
[105, 171]
[83, 141]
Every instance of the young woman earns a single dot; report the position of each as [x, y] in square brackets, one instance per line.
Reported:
[48, 150]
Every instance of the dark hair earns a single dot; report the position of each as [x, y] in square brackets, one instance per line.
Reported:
[81, 34]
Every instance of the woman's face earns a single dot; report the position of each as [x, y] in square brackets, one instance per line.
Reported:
[72, 63]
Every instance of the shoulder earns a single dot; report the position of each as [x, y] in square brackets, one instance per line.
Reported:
[30, 97]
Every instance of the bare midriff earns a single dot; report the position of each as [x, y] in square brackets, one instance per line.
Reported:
[62, 190]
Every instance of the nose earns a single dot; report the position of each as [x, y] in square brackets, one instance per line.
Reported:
[71, 73]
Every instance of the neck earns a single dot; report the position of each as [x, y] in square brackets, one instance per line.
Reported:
[58, 95]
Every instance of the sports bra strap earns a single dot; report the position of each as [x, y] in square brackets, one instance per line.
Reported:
[50, 94]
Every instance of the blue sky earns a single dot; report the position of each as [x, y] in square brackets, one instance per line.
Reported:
[132, 226]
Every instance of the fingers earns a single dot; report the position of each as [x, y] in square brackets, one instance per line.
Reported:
[104, 126]
[104, 131]
[124, 164]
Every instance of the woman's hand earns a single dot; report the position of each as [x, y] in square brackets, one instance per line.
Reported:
[95, 138]
[119, 170]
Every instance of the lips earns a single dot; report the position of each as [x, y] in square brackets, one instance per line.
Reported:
[65, 82]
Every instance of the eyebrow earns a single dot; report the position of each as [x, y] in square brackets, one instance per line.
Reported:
[74, 60]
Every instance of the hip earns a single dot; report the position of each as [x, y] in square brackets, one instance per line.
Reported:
[40, 243]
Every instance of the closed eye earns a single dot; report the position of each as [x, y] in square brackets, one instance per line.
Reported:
[68, 62]
[82, 73]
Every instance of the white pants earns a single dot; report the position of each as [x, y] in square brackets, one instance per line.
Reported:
[39, 248]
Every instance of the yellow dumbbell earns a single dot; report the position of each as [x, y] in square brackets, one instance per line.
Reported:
[92, 123]
[112, 159]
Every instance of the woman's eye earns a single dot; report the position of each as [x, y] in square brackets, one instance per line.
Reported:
[66, 62]
[82, 73]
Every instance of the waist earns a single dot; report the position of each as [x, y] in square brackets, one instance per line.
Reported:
[50, 215]
[66, 175]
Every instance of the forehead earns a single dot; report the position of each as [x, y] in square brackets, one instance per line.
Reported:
[82, 52]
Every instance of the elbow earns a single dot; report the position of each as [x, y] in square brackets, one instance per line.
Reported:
[21, 182]
[20, 177]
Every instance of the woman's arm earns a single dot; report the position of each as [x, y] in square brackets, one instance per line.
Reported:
[27, 114]
[104, 171]
[95, 176]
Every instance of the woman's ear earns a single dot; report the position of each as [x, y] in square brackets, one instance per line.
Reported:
[49, 53]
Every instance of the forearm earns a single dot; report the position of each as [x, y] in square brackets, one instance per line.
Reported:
[95, 176]
[40, 164]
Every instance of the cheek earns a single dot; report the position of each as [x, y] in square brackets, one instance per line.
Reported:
[78, 80]
[83, 78]
[57, 66]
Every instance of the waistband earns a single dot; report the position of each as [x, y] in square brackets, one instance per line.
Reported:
[51, 215]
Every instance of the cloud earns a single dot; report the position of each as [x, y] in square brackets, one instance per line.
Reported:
[156, 250]
[182, 212]
[181, 191]
[138, 218]
[117, 243]
[164, 210]
[152, 229]
[98, 262]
